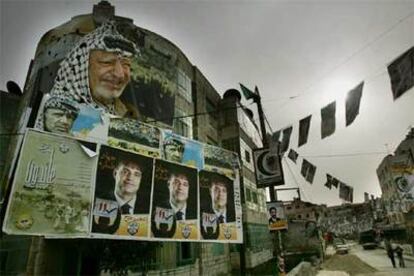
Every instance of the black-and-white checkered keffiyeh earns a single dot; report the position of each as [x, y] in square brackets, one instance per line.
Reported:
[72, 79]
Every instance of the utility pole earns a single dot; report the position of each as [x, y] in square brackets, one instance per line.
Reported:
[272, 193]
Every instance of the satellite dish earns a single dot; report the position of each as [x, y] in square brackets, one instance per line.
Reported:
[14, 88]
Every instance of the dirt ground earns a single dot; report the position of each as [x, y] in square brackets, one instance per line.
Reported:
[349, 263]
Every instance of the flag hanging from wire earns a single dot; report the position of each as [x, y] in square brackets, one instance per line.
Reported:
[293, 155]
[328, 183]
[352, 103]
[335, 182]
[304, 126]
[328, 120]
[285, 139]
[401, 72]
[248, 94]
[346, 192]
[308, 171]
[276, 136]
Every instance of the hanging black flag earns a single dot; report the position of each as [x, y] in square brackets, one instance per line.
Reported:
[276, 136]
[335, 182]
[401, 72]
[293, 155]
[308, 170]
[304, 125]
[328, 181]
[311, 173]
[285, 139]
[352, 103]
[305, 166]
[346, 192]
[328, 120]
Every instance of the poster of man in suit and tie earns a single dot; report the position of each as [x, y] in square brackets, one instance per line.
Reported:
[122, 194]
[174, 202]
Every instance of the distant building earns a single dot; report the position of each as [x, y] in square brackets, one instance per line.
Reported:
[348, 219]
[302, 210]
[396, 178]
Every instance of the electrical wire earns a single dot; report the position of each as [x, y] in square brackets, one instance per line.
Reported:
[198, 113]
[380, 36]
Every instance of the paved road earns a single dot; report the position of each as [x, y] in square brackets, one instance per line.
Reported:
[353, 264]
[379, 260]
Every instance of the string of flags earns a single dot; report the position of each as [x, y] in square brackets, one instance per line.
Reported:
[308, 171]
[401, 73]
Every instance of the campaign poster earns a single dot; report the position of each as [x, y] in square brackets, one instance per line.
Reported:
[179, 149]
[276, 215]
[220, 160]
[174, 214]
[134, 136]
[63, 116]
[220, 209]
[143, 88]
[52, 188]
[122, 194]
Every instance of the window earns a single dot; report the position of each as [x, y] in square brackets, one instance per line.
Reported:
[185, 253]
[183, 126]
[254, 197]
[247, 156]
[299, 216]
[248, 195]
[289, 208]
[184, 85]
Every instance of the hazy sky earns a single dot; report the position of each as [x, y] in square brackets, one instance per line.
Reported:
[301, 54]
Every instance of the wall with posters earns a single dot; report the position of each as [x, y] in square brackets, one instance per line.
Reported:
[156, 86]
[114, 193]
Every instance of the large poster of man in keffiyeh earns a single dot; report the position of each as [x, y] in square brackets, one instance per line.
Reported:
[108, 72]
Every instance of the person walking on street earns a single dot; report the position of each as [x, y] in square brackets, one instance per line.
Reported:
[390, 252]
[399, 252]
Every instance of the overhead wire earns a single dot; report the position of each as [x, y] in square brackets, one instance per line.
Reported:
[355, 53]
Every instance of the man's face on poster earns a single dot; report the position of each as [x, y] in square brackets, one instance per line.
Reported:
[179, 188]
[219, 195]
[109, 74]
[273, 213]
[58, 120]
[173, 152]
[127, 178]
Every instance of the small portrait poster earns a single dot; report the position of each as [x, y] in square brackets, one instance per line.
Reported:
[134, 136]
[50, 197]
[64, 116]
[220, 160]
[276, 215]
[122, 194]
[220, 210]
[174, 202]
[179, 149]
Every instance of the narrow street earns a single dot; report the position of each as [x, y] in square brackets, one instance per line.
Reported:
[363, 262]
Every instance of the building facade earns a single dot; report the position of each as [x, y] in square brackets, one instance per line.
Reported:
[396, 178]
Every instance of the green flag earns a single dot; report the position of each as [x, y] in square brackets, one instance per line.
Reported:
[248, 94]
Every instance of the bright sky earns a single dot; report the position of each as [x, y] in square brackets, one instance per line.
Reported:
[301, 54]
